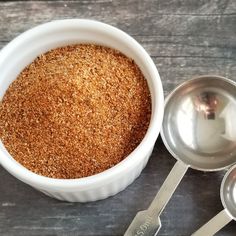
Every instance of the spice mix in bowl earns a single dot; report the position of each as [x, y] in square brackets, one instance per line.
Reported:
[75, 111]
[81, 108]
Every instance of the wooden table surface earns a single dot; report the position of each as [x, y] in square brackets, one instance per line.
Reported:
[185, 38]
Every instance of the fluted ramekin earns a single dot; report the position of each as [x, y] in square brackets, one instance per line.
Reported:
[25, 48]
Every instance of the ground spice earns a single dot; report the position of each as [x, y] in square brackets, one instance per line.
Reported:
[75, 111]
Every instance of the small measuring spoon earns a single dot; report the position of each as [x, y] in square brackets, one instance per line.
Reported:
[228, 199]
[199, 131]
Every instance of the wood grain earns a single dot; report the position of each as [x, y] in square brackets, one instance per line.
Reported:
[185, 38]
[210, 18]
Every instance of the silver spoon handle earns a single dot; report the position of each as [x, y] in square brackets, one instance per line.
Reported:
[167, 189]
[214, 225]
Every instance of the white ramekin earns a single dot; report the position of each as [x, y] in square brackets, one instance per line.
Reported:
[25, 48]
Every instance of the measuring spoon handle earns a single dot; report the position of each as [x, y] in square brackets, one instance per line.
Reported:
[214, 225]
[167, 189]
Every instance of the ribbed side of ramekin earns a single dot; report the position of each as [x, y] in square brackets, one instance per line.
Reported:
[99, 193]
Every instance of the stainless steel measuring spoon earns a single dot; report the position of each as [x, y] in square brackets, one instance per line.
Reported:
[228, 199]
[198, 130]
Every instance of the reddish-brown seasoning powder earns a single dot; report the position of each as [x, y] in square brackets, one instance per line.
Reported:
[75, 111]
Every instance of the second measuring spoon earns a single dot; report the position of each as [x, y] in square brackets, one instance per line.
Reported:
[228, 199]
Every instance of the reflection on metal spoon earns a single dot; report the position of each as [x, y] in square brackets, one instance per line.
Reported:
[207, 102]
[229, 115]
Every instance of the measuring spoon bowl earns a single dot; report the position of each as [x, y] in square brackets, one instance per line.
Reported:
[198, 126]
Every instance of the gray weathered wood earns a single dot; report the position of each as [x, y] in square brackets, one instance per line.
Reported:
[185, 38]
